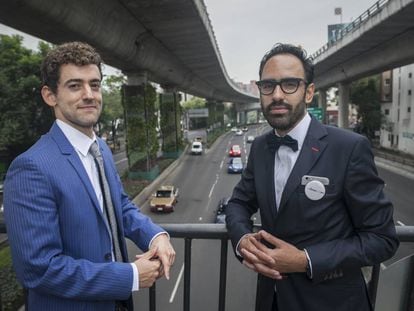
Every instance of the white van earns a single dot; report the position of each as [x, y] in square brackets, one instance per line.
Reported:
[196, 147]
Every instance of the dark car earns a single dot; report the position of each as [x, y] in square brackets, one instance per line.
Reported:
[235, 166]
[221, 211]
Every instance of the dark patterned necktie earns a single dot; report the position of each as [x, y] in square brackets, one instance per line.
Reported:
[274, 142]
[108, 206]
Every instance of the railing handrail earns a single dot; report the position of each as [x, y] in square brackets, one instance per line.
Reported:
[355, 24]
[219, 232]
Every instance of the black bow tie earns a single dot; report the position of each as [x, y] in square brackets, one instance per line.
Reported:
[274, 142]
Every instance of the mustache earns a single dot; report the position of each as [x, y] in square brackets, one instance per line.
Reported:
[279, 104]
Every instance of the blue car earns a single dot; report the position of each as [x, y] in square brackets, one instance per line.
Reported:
[235, 166]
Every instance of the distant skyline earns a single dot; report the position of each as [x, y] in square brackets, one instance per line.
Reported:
[245, 30]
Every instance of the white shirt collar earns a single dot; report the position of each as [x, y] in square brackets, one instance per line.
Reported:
[300, 130]
[78, 140]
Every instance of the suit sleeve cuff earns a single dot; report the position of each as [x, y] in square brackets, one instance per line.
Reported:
[135, 281]
[155, 236]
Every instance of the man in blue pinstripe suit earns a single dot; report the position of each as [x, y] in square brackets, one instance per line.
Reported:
[54, 205]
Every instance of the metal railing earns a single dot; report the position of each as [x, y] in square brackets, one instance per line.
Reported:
[352, 26]
[188, 232]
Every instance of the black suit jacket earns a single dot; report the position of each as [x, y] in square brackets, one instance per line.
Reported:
[350, 227]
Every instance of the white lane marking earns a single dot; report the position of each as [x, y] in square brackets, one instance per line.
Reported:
[212, 188]
[221, 164]
[122, 160]
[180, 275]
[400, 223]
[200, 218]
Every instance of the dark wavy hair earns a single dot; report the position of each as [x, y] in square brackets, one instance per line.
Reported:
[76, 53]
[283, 48]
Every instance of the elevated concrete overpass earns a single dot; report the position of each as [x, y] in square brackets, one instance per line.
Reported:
[380, 39]
[172, 42]
[169, 42]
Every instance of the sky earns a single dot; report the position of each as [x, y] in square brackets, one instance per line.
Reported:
[246, 29]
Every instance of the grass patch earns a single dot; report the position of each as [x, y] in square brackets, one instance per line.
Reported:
[12, 295]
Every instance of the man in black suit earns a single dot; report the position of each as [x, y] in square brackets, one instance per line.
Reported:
[322, 206]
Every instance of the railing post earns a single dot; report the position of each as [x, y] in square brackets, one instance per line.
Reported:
[223, 275]
[187, 273]
[373, 284]
[152, 304]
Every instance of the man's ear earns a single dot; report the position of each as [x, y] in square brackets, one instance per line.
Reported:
[310, 91]
[48, 96]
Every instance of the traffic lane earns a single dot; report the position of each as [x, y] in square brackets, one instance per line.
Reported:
[399, 189]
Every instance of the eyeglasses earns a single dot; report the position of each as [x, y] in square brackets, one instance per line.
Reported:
[288, 85]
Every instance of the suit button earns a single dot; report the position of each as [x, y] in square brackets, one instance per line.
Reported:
[108, 257]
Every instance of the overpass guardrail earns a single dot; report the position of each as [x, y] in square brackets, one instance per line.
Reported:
[189, 232]
[355, 24]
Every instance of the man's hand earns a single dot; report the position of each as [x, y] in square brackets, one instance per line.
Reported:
[248, 249]
[148, 268]
[165, 253]
[283, 258]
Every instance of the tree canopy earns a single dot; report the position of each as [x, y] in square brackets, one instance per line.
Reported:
[24, 117]
[365, 94]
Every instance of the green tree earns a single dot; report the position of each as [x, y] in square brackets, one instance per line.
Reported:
[194, 103]
[113, 112]
[24, 117]
[365, 94]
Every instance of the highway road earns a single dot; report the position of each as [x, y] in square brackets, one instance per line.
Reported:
[202, 181]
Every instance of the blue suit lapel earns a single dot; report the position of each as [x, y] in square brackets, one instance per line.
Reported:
[311, 150]
[70, 154]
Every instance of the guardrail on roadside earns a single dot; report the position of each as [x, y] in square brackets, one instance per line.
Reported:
[188, 232]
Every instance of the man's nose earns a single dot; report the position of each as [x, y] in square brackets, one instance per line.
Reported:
[278, 93]
[87, 92]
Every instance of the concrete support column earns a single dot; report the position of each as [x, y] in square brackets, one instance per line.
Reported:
[137, 116]
[322, 104]
[170, 111]
[343, 104]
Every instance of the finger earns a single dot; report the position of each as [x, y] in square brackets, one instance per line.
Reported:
[272, 239]
[265, 270]
[263, 252]
[249, 265]
[165, 260]
[150, 254]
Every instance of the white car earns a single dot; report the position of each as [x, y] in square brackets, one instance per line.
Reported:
[197, 148]
[250, 139]
[239, 132]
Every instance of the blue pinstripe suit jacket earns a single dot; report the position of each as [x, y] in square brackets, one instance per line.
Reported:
[60, 244]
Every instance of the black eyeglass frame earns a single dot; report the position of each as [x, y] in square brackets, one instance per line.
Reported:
[280, 82]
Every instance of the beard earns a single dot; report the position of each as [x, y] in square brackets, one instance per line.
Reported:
[284, 122]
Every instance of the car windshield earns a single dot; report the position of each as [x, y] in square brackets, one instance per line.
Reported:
[163, 193]
[237, 161]
[236, 148]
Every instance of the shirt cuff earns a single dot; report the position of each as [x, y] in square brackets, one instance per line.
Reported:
[135, 280]
[309, 263]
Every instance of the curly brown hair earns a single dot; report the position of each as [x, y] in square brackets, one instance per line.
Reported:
[77, 53]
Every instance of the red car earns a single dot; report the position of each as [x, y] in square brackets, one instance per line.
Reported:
[235, 151]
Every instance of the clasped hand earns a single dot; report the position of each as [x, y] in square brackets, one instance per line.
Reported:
[156, 262]
[271, 262]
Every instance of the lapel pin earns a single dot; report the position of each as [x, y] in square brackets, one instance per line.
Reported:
[315, 149]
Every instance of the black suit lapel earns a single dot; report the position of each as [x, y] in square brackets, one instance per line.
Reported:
[311, 150]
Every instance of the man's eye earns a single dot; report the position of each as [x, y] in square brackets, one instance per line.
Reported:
[74, 86]
[95, 86]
